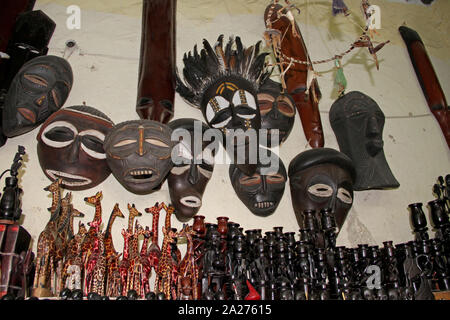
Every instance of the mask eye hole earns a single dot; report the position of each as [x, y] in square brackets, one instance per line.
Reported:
[123, 143]
[179, 170]
[92, 143]
[265, 107]
[35, 79]
[221, 124]
[321, 190]
[286, 108]
[205, 172]
[250, 181]
[156, 142]
[59, 134]
[344, 195]
[275, 178]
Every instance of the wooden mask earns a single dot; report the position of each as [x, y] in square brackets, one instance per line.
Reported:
[39, 89]
[139, 154]
[70, 147]
[188, 179]
[321, 178]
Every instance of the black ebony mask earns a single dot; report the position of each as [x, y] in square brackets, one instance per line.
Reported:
[277, 111]
[321, 178]
[70, 147]
[358, 122]
[40, 88]
[139, 154]
[190, 174]
[261, 192]
[223, 83]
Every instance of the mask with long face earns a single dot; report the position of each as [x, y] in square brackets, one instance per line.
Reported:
[70, 147]
[358, 122]
[319, 179]
[277, 112]
[223, 83]
[39, 89]
[139, 154]
[261, 192]
[192, 169]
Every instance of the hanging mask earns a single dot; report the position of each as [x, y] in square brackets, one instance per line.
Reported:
[277, 112]
[261, 192]
[70, 147]
[223, 83]
[358, 122]
[192, 169]
[139, 154]
[319, 179]
[39, 89]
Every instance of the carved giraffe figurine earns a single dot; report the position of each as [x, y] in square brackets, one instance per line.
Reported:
[91, 237]
[164, 272]
[93, 257]
[99, 271]
[154, 251]
[55, 189]
[60, 243]
[188, 266]
[73, 267]
[135, 269]
[127, 234]
[46, 244]
[65, 229]
[146, 266]
[111, 254]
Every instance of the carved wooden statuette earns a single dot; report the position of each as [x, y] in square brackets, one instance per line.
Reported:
[16, 257]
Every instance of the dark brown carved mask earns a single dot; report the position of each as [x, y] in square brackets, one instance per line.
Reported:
[358, 123]
[192, 170]
[70, 146]
[319, 179]
[261, 192]
[277, 112]
[139, 154]
[39, 89]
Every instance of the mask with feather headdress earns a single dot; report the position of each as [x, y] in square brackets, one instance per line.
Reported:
[224, 83]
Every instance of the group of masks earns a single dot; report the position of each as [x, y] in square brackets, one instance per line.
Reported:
[82, 146]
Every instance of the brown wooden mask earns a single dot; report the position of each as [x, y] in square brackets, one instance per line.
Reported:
[188, 178]
[139, 154]
[321, 178]
[261, 192]
[277, 111]
[39, 89]
[70, 147]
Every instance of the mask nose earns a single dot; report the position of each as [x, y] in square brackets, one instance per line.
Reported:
[274, 111]
[193, 174]
[373, 129]
[74, 150]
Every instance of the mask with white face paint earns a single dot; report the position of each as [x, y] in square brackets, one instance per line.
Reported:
[321, 178]
[70, 147]
[223, 83]
[194, 166]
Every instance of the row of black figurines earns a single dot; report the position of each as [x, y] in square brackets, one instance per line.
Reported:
[314, 268]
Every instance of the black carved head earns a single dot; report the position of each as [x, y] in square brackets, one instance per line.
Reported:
[358, 123]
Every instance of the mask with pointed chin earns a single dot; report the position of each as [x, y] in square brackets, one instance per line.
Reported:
[39, 89]
[194, 167]
[139, 154]
[261, 192]
[70, 147]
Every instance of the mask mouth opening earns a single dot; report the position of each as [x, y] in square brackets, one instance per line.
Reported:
[264, 205]
[191, 201]
[141, 175]
[69, 179]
